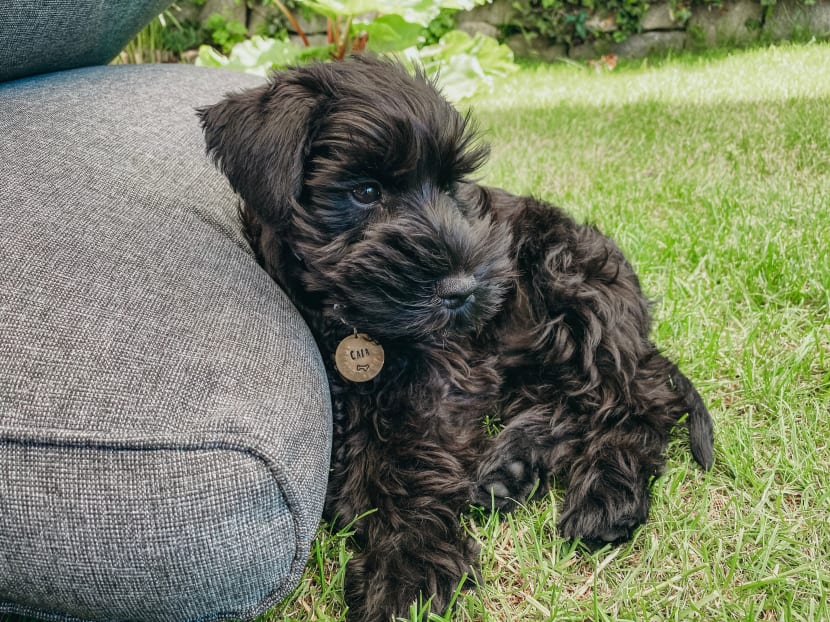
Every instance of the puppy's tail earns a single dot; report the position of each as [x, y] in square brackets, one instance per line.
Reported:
[701, 430]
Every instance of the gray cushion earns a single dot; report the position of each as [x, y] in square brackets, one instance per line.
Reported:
[164, 416]
[47, 35]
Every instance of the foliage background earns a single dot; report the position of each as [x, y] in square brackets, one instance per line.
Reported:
[191, 23]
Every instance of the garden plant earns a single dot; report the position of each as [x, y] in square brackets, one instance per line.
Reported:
[403, 28]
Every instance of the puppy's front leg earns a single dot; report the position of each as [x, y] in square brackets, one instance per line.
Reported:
[399, 568]
[411, 546]
[609, 483]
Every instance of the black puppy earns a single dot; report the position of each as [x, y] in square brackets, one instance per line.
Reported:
[438, 304]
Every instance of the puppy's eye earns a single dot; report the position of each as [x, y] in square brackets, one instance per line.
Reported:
[367, 193]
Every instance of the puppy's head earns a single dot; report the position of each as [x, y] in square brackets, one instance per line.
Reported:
[354, 171]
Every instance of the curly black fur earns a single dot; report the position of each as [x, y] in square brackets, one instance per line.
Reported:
[354, 180]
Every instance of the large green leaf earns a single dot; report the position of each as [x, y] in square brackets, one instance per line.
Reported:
[413, 11]
[208, 57]
[257, 55]
[342, 8]
[391, 33]
[465, 64]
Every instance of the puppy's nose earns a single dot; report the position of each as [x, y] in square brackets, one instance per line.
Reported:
[456, 291]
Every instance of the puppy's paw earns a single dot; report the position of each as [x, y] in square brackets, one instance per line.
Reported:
[503, 483]
[385, 585]
[603, 521]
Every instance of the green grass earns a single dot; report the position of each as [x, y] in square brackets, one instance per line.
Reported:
[714, 175]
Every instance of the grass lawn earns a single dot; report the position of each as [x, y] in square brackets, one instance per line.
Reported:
[714, 176]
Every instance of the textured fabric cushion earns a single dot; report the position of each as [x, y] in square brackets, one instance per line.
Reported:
[48, 35]
[164, 415]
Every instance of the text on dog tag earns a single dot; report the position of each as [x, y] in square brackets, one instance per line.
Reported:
[359, 358]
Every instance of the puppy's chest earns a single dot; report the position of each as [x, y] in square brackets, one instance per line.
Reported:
[445, 395]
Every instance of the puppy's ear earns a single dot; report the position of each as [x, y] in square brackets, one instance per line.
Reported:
[259, 140]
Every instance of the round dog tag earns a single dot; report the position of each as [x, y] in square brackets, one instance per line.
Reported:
[359, 358]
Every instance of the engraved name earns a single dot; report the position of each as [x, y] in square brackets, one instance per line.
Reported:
[356, 355]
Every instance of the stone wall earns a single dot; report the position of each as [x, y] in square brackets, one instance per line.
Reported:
[734, 23]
